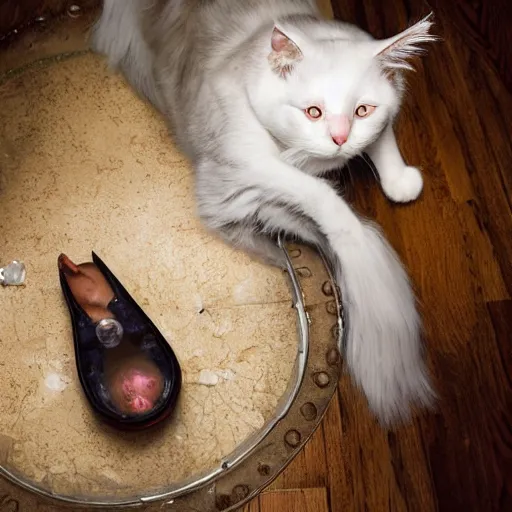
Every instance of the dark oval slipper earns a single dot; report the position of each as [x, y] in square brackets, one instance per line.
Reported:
[128, 371]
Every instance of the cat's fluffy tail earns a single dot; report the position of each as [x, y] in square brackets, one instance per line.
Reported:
[118, 35]
[383, 346]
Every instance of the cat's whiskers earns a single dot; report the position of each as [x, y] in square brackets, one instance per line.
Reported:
[349, 172]
[369, 163]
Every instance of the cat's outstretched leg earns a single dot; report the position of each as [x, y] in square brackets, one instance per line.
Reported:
[400, 182]
[254, 233]
[383, 349]
[258, 245]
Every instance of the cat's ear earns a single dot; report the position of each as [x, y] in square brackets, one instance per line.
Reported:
[396, 52]
[285, 53]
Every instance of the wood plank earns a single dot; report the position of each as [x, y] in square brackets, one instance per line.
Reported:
[294, 500]
[456, 241]
[501, 420]
[253, 506]
[340, 474]
[308, 469]
[484, 24]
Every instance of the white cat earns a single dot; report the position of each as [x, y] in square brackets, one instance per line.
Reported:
[265, 96]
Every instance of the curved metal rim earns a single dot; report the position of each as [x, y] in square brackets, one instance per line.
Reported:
[240, 457]
[239, 454]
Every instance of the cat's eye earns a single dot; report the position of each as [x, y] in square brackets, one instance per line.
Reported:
[313, 113]
[364, 110]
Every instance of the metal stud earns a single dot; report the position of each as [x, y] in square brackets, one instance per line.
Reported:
[327, 289]
[303, 272]
[333, 357]
[332, 307]
[322, 379]
[309, 411]
[292, 438]
[74, 11]
[264, 469]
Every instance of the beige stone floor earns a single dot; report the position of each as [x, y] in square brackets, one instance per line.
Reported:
[85, 165]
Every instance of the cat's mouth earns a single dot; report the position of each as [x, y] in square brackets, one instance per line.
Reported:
[340, 151]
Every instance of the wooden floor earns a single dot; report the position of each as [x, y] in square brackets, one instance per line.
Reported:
[457, 243]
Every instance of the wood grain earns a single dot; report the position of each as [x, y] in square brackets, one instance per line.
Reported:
[456, 241]
[295, 500]
[484, 24]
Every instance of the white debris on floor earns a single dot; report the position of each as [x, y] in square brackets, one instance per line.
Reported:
[212, 378]
[56, 382]
[198, 304]
[208, 378]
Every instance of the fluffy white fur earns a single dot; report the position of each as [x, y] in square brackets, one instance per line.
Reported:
[236, 82]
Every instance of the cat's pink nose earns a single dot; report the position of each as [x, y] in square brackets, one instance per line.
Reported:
[339, 128]
[339, 139]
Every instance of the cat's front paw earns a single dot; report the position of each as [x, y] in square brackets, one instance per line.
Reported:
[407, 187]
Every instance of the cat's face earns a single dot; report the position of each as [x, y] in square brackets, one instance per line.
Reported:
[333, 104]
[333, 98]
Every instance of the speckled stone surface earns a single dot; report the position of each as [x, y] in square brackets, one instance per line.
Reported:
[86, 165]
